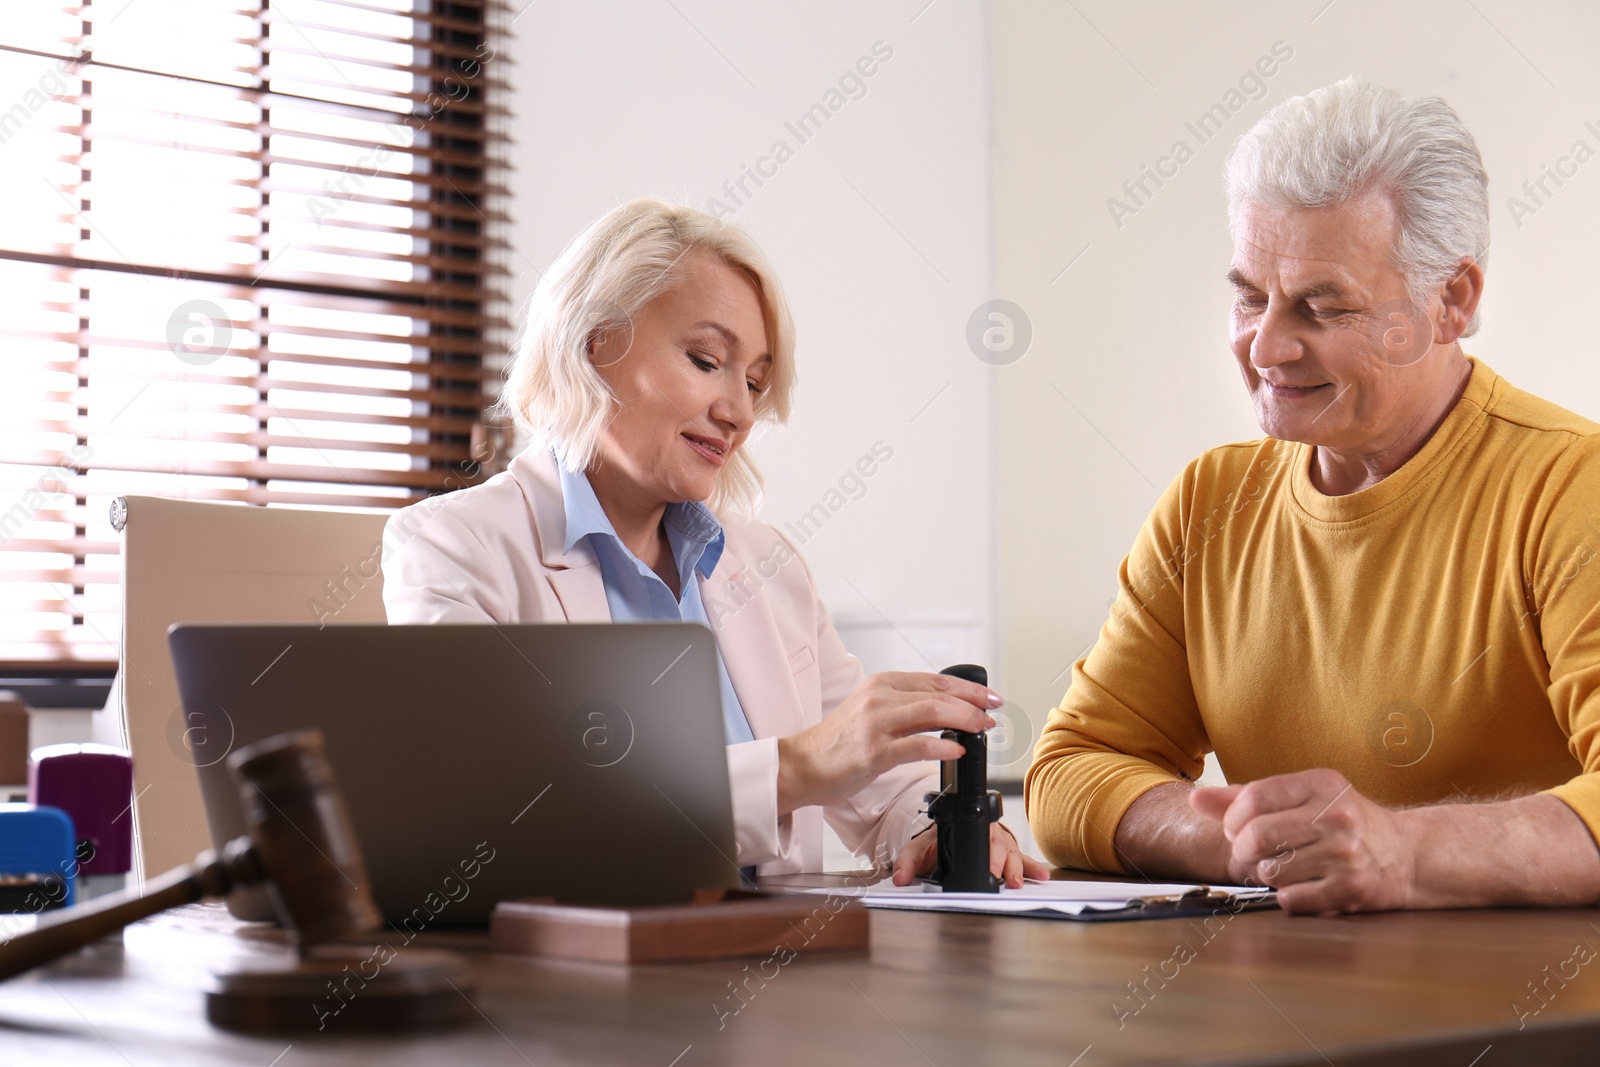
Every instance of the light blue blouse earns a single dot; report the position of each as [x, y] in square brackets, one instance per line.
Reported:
[635, 593]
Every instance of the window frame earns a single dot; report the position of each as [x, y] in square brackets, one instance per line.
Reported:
[458, 294]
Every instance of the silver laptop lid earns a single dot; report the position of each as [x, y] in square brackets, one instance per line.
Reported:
[481, 763]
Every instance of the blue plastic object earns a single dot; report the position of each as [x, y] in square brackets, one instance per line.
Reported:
[39, 841]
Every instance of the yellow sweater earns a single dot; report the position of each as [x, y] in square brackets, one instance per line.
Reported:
[1432, 636]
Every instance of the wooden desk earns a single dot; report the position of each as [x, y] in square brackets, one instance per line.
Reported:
[1265, 988]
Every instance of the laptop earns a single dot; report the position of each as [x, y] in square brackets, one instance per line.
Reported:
[584, 762]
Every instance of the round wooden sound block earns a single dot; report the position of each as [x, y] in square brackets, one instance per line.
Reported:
[343, 990]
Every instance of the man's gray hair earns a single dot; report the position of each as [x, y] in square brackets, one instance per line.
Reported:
[1346, 139]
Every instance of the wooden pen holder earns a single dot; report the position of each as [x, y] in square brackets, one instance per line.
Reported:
[716, 924]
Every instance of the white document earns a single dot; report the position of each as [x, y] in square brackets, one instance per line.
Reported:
[1070, 898]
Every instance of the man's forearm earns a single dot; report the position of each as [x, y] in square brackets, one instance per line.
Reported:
[1161, 836]
[1530, 851]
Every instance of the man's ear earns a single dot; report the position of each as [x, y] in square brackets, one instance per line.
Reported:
[1458, 300]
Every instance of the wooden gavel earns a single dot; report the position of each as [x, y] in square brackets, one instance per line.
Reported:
[300, 845]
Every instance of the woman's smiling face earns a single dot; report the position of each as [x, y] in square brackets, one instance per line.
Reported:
[686, 373]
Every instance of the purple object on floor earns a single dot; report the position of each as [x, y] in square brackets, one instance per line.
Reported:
[94, 785]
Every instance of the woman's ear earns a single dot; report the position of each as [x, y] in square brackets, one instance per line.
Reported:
[610, 337]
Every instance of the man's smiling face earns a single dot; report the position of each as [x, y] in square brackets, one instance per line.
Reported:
[1322, 326]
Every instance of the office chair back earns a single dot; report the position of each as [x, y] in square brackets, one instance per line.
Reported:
[187, 561]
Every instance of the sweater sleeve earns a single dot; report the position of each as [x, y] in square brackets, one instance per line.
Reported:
[1129, 720]
[1563, 571]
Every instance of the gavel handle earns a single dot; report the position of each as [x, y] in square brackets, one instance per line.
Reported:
[69, 930]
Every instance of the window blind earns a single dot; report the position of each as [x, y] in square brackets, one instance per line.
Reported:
[250, 251]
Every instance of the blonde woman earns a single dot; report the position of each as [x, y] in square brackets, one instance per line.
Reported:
[654, 345]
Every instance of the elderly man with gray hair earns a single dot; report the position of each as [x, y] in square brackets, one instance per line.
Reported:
[1383, 616]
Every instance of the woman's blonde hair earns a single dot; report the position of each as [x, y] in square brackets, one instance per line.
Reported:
[604, 278]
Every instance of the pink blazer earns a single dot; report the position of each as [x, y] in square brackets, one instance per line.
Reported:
[492, 553]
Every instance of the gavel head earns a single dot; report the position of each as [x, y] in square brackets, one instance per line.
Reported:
[301, 831]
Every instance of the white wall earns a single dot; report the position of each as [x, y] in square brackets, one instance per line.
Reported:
[881, 229]
[879, 225]
[1134, 333]
[978, 164]
[1012, 498]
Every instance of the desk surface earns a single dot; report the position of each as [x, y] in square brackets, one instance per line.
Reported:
[1253, 989]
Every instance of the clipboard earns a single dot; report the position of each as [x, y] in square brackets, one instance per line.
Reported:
[1057, 902]
[1196, 903]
